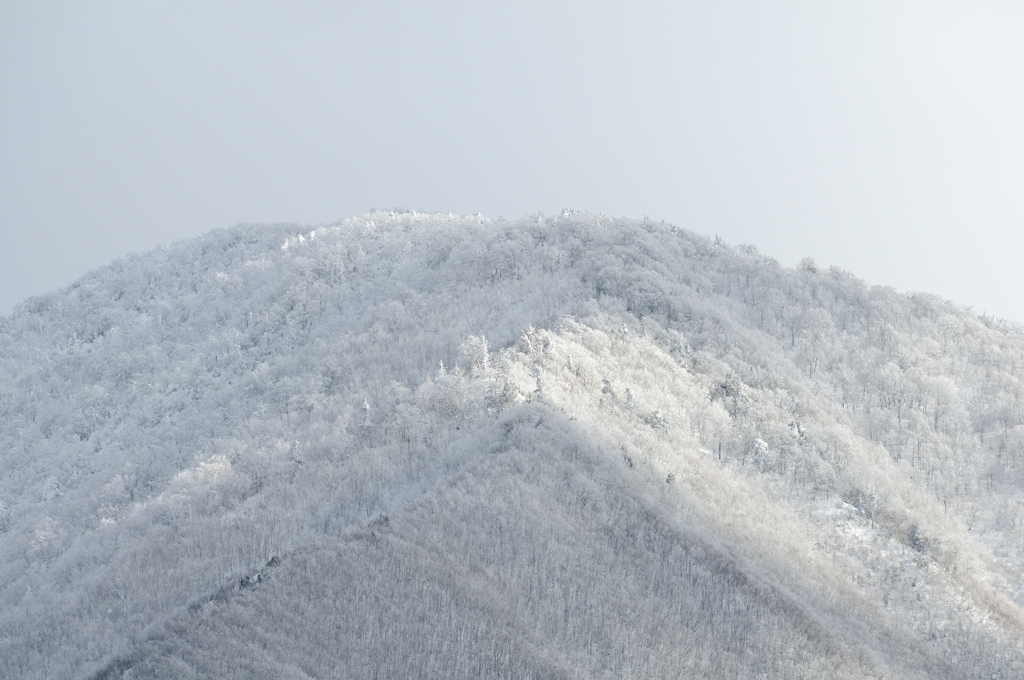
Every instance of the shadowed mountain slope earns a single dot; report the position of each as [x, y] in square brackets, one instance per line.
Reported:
[428, 445]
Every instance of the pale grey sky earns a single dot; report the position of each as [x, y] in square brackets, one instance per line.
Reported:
[883, 137]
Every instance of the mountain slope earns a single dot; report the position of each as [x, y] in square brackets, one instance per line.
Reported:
[570, 446]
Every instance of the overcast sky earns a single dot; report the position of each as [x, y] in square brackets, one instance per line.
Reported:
[882, 137]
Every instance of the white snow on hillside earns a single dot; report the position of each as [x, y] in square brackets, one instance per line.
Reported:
[411, 445]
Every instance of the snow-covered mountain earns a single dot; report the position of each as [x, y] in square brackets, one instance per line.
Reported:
[413, 445]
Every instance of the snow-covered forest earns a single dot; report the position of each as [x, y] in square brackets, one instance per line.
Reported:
[421, 445]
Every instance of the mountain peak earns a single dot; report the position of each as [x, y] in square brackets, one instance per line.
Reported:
[410, 444]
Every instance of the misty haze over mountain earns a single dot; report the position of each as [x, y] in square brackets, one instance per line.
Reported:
[429, 445]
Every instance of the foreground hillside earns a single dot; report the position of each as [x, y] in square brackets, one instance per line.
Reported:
[415, 445]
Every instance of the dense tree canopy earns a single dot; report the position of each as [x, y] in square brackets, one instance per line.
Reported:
[430, 445]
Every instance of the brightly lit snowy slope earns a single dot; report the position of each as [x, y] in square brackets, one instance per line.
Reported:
[414, 445]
